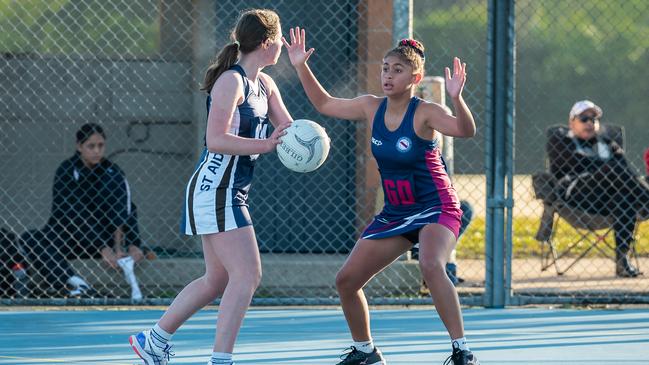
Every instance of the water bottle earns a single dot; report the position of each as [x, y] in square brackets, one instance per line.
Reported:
[21, 280]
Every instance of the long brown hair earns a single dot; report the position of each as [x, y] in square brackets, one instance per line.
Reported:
[252, 29]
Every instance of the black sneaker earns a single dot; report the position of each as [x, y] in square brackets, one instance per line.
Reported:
[461, 357]
[624, 269]
[357, 357]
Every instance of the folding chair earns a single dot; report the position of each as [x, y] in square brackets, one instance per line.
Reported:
[593, 230]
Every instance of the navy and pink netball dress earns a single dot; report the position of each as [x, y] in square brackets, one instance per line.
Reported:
[416, 185]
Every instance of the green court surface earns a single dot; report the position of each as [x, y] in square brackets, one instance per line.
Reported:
[318, 336]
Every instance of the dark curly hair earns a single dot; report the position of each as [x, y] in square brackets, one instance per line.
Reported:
[410, 51]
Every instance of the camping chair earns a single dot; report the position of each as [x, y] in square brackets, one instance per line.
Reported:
[592, 229]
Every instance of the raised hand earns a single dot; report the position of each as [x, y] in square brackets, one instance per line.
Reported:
[296, 50]
[455, 82]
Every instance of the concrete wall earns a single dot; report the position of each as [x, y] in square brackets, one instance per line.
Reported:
[147, 120]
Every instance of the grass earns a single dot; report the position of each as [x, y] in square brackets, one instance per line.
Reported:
[472, 243]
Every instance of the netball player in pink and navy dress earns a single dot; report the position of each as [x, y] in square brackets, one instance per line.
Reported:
[421, 204]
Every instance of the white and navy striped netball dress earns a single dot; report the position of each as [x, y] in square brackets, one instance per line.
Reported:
[216, 198]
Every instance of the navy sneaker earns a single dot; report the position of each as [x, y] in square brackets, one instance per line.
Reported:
[357, 357]
[461, 357]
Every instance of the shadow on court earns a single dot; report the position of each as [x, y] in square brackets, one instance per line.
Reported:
[318, 336]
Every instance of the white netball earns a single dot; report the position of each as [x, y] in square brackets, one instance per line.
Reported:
[305, 146]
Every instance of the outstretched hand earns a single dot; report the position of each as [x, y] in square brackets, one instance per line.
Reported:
[455, 82]
[296, 50]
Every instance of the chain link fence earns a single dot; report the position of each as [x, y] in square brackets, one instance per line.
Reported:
[133, 67]
[567, 52]
[458, 29]
[123, 65]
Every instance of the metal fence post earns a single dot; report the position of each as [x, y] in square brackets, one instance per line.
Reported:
[499, 158]
[402, 20]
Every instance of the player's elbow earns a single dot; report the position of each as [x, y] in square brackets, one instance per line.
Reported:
[320, 105]
[214, 143]
[468, 131]
[328, 107]
[322, 109]
[213, 147]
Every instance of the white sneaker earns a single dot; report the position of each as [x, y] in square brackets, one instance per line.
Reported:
[80, 287]
[82, 290]
[128, 264]
[147, 351]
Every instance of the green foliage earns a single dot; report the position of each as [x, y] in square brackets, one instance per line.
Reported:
[472, 243]
[91, 27]
[565, 51]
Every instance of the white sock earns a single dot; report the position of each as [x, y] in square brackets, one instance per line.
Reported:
[126, 263]
[460, 343]
[76, 281]
[221, 358]
[160, 337]
[364, 346]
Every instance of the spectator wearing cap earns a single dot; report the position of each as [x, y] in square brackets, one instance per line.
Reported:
[594, 177]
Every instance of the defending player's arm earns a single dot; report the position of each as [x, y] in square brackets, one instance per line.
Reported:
[438, 118]
[226, 94]
[353, 109]
[277, 111]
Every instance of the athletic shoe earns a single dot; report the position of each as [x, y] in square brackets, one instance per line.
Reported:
[147, 351]
[461, 357]
[80, 288]
[230, 363]
[357, 357]
[83, 291]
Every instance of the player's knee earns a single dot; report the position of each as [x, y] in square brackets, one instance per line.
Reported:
[345, 282]
[257, 279]
[432, 266]
[248, 278]
[212, 283]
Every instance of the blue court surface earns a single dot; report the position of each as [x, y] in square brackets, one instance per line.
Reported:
[317, 336]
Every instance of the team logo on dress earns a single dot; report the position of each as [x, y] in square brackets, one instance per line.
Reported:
[404, 144]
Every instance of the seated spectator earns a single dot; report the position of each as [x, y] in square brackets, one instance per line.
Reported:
[92, 216]
[593, 176]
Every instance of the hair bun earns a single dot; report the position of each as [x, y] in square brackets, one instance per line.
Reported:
[414, 44]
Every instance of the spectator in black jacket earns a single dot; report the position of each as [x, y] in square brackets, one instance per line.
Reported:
[92, 217]
[594, 177]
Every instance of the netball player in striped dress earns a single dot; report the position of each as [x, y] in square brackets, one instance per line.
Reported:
[242, 101]
[421, 204]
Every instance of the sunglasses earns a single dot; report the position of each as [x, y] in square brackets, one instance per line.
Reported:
[587, 118]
